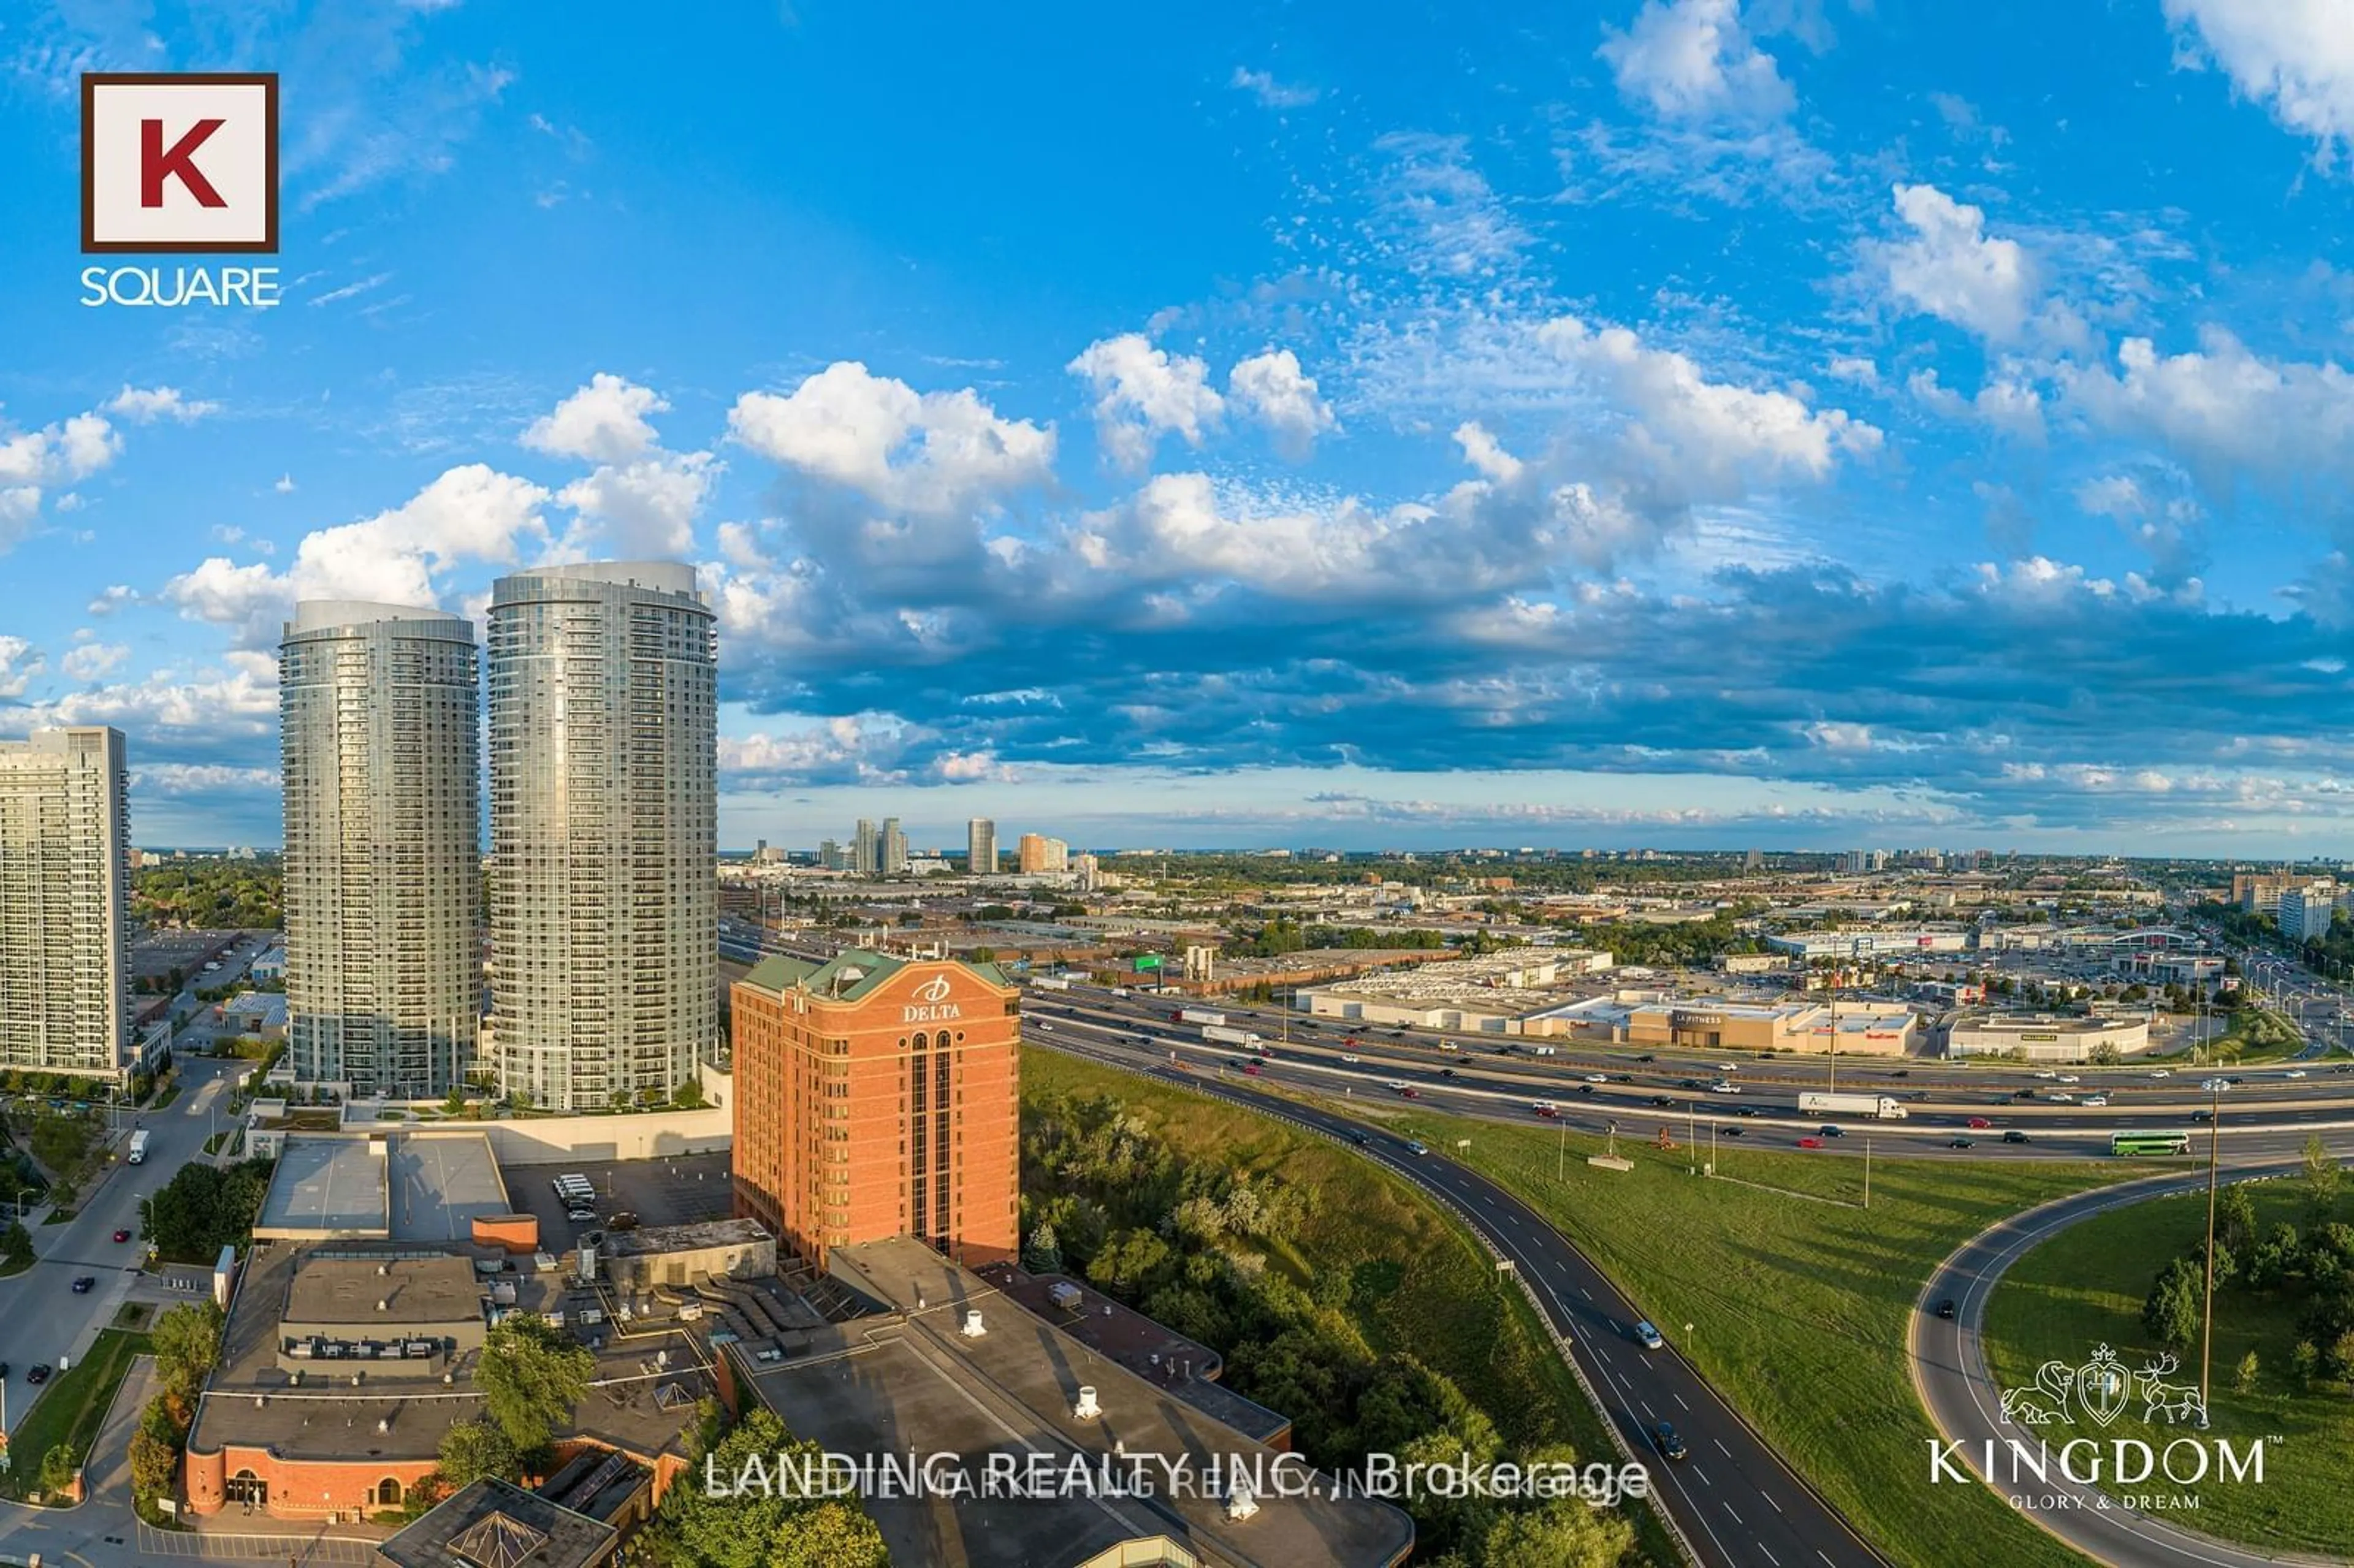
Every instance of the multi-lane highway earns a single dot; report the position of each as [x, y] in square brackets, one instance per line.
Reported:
[1953, 1110]
[1733, 1499]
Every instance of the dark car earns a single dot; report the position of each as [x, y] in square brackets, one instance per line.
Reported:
[1664, 1438]
[38, 1372]
[4, 1371]
[1688, 1084]
[1830, 1131]
[1961, 1143]
[1945, 1307]
[1901, 1073]
[1647, 1058]
[1661, 1100]
[2202, 1116]
[1446, 1072]
[1746, 1110]
[1586, 1088]
[83, 1286]
[1733, 1132]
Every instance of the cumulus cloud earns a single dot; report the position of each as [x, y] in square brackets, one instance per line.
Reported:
[19, 662]
[93, 661]
[1272, 389]
[2006, 405]
[1693, 59]
[603, 422]
[933, 454]
[2297, 57]
[1142, 393]
[144, 406]
[1951, 269]
[644, 509]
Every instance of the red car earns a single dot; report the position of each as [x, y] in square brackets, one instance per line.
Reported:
[1980, 1122]
[1811, 1143]
[1548, 1110]
[1410, 1093]
[1251, 1067]
[123, 1236]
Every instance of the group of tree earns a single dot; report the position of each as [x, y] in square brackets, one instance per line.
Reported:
[761, 1525]
[2311, 1270]
[1189, 1243]
[204, 1208]
[531, 1374]
[1687, 945]
[210, 895]
[186, 1342]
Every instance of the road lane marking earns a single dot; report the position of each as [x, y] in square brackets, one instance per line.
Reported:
[1680, 1400]
[1728, 1508]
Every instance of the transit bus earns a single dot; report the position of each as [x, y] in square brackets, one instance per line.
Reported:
[2150, 1143]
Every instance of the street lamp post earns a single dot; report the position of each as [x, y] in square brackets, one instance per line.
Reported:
[2207, 1329]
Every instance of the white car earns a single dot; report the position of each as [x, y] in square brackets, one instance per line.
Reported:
[1393, 1083]
[1348, 1057]
[1723, 1086]
[2215, 1086]
[1728, 1066]
[2047, 1072]
[1597, 1077]
[2069, 1078]
[2294, 1072]
[2163, 1073]
[2096, 1099]
[2060, 1097]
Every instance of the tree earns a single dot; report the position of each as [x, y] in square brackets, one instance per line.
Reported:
[187, 1340]
[531, 1375]
[1041, 1253]
[2235, 1220]
[2171, 1312]
[688, 1095]
[473, 1449]
[2322, 1177]
[15, 1247]
[58, 1467]
[1561, 1534]
[764, 1527]
[2244, 1379]
[155, 1452]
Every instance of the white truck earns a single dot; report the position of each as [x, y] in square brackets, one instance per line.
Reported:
[1049, 982]
[1219, 1034]
[138, 1147]
[1201, 1015]
[1883, 1107]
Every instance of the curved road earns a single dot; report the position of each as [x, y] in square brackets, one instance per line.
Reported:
[1736, 1502]
[1949, 1371]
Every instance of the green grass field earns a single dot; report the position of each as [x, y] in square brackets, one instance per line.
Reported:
[1445, 1303]
[70, 1408]
[2085, 1287]
[1798, 1308]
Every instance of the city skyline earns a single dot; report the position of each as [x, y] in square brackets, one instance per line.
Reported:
[1674, 423]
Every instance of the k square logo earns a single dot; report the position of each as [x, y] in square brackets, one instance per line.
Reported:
[179, 163]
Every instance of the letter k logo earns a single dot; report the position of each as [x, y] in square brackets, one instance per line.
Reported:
[179, 163]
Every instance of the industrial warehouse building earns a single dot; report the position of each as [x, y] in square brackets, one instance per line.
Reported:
[1716, 1023]
[2045, 1037]
[1502, 993]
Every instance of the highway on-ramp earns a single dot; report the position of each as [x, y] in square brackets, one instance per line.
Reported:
[1736, 1502]
[1950, 1370]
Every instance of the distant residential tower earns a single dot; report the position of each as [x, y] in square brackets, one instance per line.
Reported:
[65, 897]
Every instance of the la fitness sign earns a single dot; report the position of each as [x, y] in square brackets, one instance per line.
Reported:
[930, 1003]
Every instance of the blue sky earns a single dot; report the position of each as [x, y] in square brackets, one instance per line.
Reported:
[1796, 423]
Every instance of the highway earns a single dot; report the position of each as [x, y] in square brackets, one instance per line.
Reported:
[2267, 1115]
[1736, 1502]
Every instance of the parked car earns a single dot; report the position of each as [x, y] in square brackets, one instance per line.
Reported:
[39, 1373]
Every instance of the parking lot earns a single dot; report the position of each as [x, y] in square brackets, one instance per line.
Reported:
[659, 1192]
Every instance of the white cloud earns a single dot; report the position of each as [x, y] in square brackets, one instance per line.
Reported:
[1859, 372]
[1701, 427]
[1693, 59]
[470, 513]
[238, 702]
[2228, 413]
[1271, 93]
[200, 778]
[644, 509]
[2115, 495]
[2294, 56]
[93, 661]
[604, 421]
[1272, 389]
[934, 452]
[2006, 405]
[144, 406]
[114, 596]
[19, 662]
[1483, 453]
[1142, 392]
[1951, 269]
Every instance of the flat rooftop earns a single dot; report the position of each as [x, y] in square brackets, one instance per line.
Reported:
[442, 1183]
[907, 1379]
[327, 1187]
[414, 1290]
[649, 1241]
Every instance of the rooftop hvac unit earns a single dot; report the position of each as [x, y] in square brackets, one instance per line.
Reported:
[589, 1260]
[972, 1329]
[1086, 1409]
